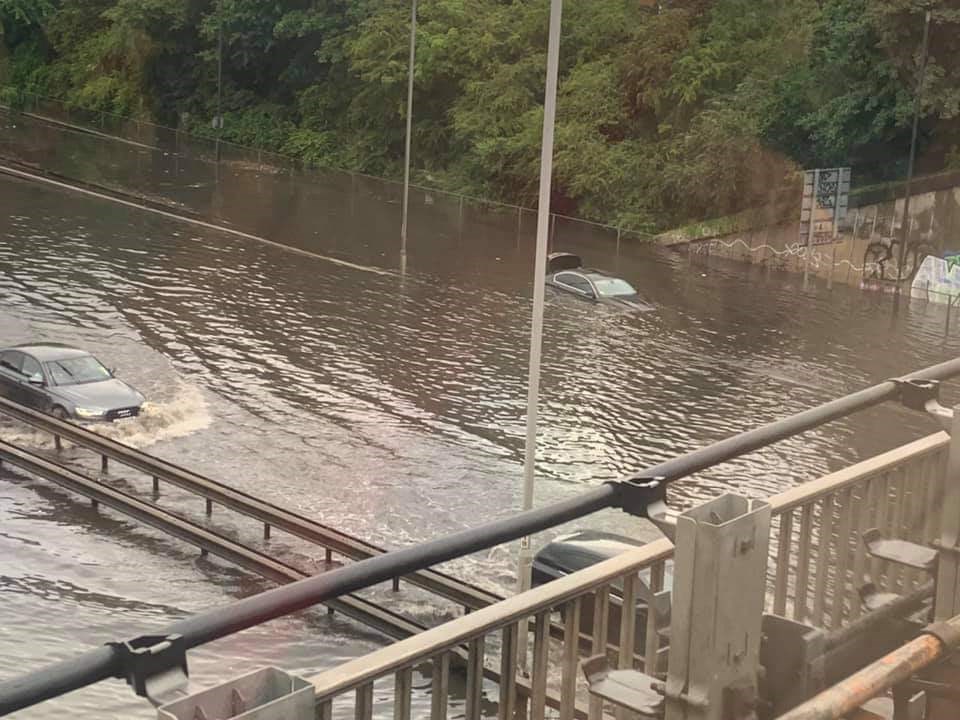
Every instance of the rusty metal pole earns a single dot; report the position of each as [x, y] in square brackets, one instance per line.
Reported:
[878, 677]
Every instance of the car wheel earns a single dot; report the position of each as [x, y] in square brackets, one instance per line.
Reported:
[59, 413]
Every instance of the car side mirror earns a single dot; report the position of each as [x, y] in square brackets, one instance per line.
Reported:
[112, 371]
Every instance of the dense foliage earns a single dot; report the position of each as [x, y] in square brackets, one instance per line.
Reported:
[685, 110]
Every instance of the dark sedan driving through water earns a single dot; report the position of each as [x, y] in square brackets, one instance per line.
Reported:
[65, 382]
[565, 272]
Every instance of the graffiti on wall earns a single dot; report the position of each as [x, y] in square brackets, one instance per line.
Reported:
[938, 278]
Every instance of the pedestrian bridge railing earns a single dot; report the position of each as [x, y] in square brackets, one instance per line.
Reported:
[819, 562]
[747, 604]
[817, 566]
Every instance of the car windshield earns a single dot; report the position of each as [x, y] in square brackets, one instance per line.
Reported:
[611, 287]
[73, 371]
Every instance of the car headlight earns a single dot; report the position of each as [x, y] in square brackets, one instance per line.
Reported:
[89, 413]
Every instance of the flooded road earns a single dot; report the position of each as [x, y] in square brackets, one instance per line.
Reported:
[391, 405]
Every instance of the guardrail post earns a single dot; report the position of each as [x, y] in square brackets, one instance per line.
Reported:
[719, 591]
[948, 571]
[103, 463]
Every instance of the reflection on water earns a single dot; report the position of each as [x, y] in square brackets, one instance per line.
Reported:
[390, 406]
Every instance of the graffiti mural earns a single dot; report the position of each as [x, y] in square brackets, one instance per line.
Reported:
[938, 279]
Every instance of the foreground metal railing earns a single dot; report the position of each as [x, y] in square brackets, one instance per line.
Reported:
[584, 596]
[818, 561]
[143, 659]
[815, 548]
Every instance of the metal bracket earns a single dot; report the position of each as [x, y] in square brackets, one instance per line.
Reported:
[924, 396]
[902, 552]
[628, 689]
[647, 497]
[638, 493]
[153, 665]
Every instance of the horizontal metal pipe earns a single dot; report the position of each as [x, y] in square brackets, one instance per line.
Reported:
[745, 442]
[64, 676]
[103, 663]
[876, 678]
[899, 608]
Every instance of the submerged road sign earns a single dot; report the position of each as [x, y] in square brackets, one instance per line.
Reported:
[825, 198]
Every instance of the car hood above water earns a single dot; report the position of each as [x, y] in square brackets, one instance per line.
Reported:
[630, 302]
[102, 395]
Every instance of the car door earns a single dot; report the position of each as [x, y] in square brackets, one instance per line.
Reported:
[33, 386]
[10, 377]
[576, 284]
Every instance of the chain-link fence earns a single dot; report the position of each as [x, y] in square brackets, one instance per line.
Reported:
[161, 164]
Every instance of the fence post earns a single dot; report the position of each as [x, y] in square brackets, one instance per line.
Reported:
[948, 570]
[833, 267]
[719, 591]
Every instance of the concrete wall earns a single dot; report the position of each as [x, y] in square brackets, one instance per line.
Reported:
[934, 219]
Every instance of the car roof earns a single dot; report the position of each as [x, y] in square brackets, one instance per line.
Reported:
[50, 351]
[596, 274]
[583, 548]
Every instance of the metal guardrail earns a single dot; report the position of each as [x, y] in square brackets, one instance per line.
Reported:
[368, 613]
[365, 611]
[272, 516]
[636, 495]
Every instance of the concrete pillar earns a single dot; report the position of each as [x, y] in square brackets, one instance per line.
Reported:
[718, 589]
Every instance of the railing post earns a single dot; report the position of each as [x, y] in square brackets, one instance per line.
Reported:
[719, 590]
[948, 572]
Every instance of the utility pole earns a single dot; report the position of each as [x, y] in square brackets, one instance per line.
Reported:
[406, 158]
[219, 120]
[525, 561]
[904, 223]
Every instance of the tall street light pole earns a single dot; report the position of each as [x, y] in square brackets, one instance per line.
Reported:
[406, 159]
[525, 559]
[905, 222]
[219, 75]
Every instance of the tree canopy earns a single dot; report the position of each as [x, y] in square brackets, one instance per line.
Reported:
[686, 110]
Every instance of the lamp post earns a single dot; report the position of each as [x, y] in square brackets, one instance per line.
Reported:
[525, 559]
[219, 119]
[406, 158]
[904, 223]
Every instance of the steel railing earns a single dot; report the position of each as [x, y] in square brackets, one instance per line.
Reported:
[817, 553]
[633, 495]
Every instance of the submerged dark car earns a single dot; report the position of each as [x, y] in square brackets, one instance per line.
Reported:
[576, 551]
[66, 382]
[565, 272]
